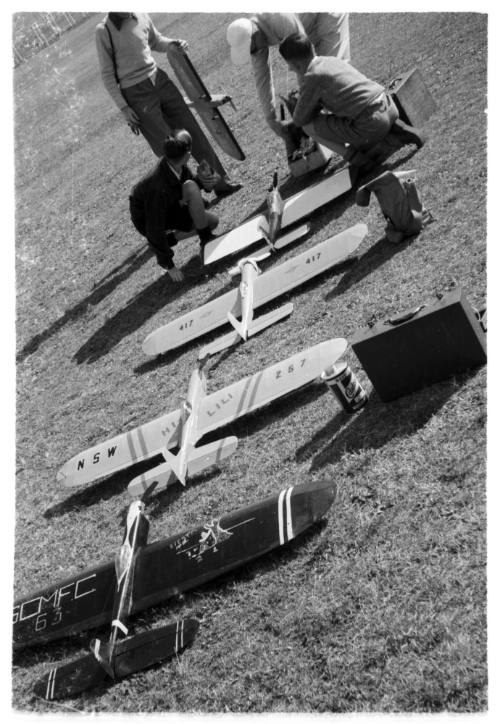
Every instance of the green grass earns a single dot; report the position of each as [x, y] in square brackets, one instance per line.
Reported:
[383, 607]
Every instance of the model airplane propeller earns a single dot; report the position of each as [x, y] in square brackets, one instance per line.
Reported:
[202, 413]
[121, 655]
[255, 290]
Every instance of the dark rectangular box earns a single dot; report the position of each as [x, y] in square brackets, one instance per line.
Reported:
[412, 98]
[425, 346]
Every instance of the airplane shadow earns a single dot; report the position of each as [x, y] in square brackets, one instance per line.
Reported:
[378, 254]
[117, 483]
[101, 290]
[127, 320]
[377, 423]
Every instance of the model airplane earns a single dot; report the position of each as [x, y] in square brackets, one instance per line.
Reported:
[255, 290]
[295, 208]
[121, 655]
[204, 103]
[212, 411]
[161, 570]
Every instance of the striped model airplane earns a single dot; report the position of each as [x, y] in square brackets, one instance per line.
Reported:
[255, 290]
[200, 414]
[121, 655]
[146, 575]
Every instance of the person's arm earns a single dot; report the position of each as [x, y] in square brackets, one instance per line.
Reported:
[308, 102]
[107, 67]
[160, 42]
[156, 224]
[263, 76]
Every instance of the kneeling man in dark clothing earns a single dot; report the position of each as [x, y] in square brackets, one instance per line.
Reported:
[169, 199]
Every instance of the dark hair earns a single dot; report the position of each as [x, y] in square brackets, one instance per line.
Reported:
[177, 145]
[296, 46]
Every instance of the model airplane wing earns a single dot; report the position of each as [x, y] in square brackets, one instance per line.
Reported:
[259, 389]
[172, 565]
[202, 101]
[296, 207]
[307, 265]
[193, 324]
[121, 451]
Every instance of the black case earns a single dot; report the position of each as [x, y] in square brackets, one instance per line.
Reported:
[422, 346]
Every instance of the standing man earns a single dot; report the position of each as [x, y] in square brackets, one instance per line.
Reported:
[250, 40]
[338, 105]
[149, 101]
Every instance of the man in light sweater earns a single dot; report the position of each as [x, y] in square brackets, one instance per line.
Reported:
[149, 101]
[251, 38]
[338, 105]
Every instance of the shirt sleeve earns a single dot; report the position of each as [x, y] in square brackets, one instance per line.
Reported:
[309, 98]
[157, 41]
[264, 82]
[156, 224]
[106, 65]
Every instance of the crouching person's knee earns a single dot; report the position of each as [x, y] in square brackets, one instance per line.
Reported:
[190, 190]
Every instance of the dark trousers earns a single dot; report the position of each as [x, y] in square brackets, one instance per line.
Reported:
[161, 109]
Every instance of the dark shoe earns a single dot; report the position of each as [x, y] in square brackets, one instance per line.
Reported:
[205, 235]
[225, 188]
[408, 134]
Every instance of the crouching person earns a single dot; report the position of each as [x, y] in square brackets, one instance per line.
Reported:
[343, 109]
[169, 199]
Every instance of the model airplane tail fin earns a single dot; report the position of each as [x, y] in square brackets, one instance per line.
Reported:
[177, 463]
[284, 239]
[257, 325]
[238, 326]
[133, 654]
[200, 458]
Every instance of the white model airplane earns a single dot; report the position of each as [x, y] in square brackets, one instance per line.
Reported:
[295, 208]
[254, 291]
[210, 412]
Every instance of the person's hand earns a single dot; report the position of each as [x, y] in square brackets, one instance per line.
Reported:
[207, 176]
[132, 119]
[280, 128]
[182, 44]
[175, 275]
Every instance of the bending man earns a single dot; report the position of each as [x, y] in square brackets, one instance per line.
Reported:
[169, 199]
[250, 39]
[149, 101]
[338, 105]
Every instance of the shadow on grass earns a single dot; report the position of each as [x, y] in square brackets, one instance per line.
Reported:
[101, 290]
[117, 483]
[377, 255]
[378, 423]
[134, 315]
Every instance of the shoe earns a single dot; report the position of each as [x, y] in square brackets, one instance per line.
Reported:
[226, 189]
[408, 134]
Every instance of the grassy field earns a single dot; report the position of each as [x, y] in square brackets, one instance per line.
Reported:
[383, 607]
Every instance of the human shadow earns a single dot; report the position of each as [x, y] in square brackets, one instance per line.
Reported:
[101, 290]
[377, 423]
